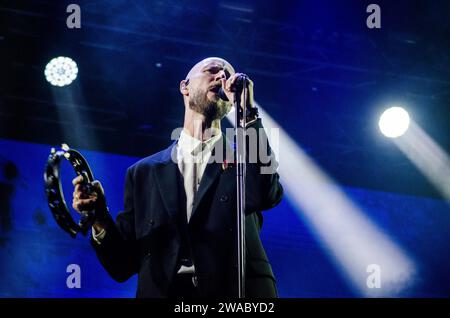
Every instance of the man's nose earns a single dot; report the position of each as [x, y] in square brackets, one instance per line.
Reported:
[219, 75]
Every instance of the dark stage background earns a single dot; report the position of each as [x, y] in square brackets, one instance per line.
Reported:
[318, 71]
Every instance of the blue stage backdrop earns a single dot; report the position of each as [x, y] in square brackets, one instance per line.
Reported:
[35, 253]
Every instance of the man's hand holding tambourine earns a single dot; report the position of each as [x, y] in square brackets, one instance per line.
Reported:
[90, 197]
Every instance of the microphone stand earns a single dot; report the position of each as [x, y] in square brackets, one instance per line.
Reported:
[241, 155]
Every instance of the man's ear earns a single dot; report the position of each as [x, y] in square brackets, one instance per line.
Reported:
[183, 87]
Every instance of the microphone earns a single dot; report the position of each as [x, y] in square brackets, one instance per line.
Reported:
[222, 95]
[239, 84]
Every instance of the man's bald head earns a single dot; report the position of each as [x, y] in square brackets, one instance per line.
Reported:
[210, 61]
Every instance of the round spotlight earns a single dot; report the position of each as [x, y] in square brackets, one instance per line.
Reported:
[394, 122]
[61, 71]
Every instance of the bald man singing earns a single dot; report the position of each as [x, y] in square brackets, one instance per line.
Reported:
[178, 227]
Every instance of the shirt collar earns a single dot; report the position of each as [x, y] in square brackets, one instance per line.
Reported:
[193, 146]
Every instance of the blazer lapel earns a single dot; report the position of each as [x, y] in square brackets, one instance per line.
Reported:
[167, 179]
[212, 171]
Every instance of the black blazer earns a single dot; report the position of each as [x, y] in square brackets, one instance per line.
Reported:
[146, 237]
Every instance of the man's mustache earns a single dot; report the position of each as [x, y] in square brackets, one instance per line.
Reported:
[215, 86]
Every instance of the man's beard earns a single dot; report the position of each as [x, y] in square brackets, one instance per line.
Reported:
[212, 110]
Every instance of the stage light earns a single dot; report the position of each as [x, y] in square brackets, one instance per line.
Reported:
[61, 71]
[394, 122]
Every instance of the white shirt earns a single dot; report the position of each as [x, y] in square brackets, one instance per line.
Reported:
[192, 158]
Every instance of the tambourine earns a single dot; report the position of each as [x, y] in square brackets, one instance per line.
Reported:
[54, 192]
